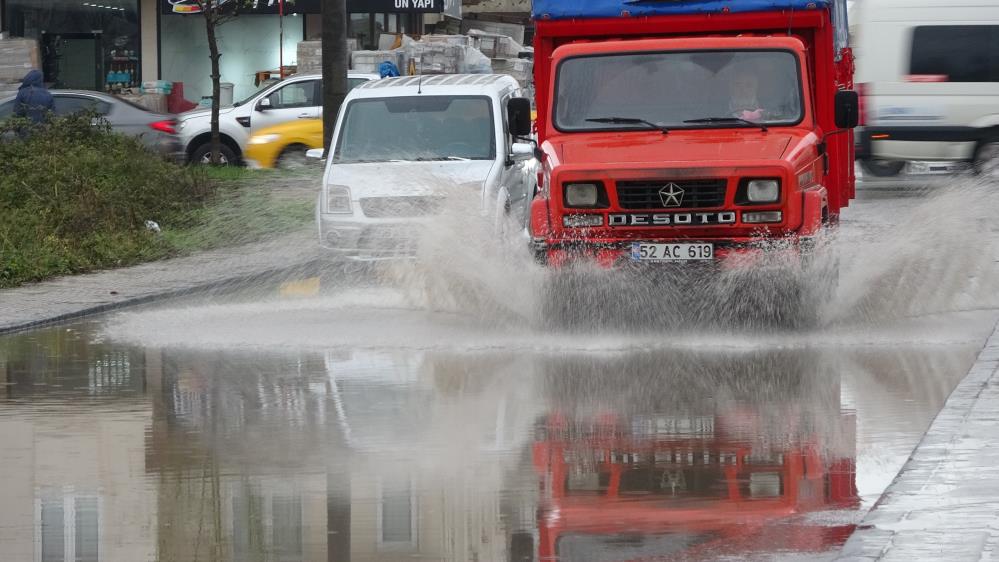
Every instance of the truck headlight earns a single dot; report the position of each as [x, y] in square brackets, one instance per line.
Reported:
[763, 191]
[338, 200]
[585, 195]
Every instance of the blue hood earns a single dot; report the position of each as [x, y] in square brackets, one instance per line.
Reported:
[33, 79]
[567, 9]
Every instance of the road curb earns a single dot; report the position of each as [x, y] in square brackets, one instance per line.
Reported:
[934, 508]
[164, 295]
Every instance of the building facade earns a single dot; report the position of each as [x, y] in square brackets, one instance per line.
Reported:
[96, 45]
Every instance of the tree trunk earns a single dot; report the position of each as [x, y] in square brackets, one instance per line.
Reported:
[334, 65]
[211, 19]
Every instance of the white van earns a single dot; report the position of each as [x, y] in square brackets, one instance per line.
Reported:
[928, 74]
[401, 144]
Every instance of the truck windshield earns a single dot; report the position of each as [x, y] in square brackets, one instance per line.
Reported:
[417, 128]
[679, 89]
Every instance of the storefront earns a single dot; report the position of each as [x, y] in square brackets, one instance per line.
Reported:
[83, 44]
[250, 44]
[94, 44]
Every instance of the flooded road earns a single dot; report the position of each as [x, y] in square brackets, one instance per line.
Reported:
[354, 426]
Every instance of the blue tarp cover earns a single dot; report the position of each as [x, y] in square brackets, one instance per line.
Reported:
[565, 9]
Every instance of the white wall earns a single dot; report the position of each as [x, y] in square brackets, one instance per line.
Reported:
[248, 44]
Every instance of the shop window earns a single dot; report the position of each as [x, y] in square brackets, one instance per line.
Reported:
[361, 29]
[83, 45]
[299, 94]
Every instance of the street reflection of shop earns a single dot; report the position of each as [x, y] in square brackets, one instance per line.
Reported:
[84, 45]
[699, 455]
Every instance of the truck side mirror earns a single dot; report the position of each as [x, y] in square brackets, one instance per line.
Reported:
[519, 116]
[847, 109]
[264, 104]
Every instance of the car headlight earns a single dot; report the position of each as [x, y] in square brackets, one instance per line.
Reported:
[264, 139]
[338, 200]
[763, 191]
[585, 195]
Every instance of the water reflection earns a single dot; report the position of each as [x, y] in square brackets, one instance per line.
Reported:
[123, 453]
[693, 456]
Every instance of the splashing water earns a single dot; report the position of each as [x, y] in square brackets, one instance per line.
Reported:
[898, 262]
[937, 257]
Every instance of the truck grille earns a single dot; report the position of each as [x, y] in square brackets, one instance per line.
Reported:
[401, 207]
[697, 194]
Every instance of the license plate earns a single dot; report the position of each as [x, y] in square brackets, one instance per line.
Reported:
[641, 251]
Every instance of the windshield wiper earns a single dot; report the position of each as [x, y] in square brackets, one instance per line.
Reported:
[627, 121]
[762, 126]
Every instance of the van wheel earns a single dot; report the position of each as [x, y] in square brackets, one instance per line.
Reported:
[292, 158]
[987, 160]
[203, 155]
[882, 168]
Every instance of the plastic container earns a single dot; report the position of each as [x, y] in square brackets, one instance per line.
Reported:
[225, 93]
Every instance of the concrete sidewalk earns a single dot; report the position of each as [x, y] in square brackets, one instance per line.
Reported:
[944, 504]
[80, 295]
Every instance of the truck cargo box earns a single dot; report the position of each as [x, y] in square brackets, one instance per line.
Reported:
[566, 9]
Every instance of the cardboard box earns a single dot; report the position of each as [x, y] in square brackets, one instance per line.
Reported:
[370, 61]
[17, 57]
[521, 69]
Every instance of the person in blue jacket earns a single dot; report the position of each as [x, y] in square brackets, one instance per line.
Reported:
[33, 101]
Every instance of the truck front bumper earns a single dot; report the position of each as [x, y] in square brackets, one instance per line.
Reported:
[730, 253]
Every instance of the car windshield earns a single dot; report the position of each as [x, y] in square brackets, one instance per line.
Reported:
[249, 98]
[678, 89]
[417, 128]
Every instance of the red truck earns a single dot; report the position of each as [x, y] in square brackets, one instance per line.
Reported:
[689, 131]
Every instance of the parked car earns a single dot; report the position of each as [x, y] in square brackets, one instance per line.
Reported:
[156, 130]
[401, 143]
[929, 79]
[297, 97]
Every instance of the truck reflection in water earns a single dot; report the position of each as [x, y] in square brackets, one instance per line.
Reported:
[693, 456]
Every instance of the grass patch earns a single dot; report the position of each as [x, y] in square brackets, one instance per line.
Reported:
[75, 197]
[237, 215]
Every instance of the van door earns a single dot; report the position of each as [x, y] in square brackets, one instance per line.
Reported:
[946, 97]
[515, 175]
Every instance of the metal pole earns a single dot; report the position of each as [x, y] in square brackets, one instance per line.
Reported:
[334, 64]
[281, 39]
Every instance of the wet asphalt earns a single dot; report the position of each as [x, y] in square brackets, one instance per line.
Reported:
[279, 423]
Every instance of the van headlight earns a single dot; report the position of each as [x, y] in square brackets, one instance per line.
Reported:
[582, 195]
[338, 200]
[763, 191]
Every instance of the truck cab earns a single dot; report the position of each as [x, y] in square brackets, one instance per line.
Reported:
[689, 131]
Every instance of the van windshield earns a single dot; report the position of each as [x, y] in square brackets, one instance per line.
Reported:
[417, 128]
[678, 89]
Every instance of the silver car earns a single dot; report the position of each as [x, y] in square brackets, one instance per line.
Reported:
[156, 130]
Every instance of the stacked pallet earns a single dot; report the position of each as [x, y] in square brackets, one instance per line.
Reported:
[17, 57]
[310, 56]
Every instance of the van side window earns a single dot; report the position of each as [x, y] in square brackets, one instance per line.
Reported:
[955, 53]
